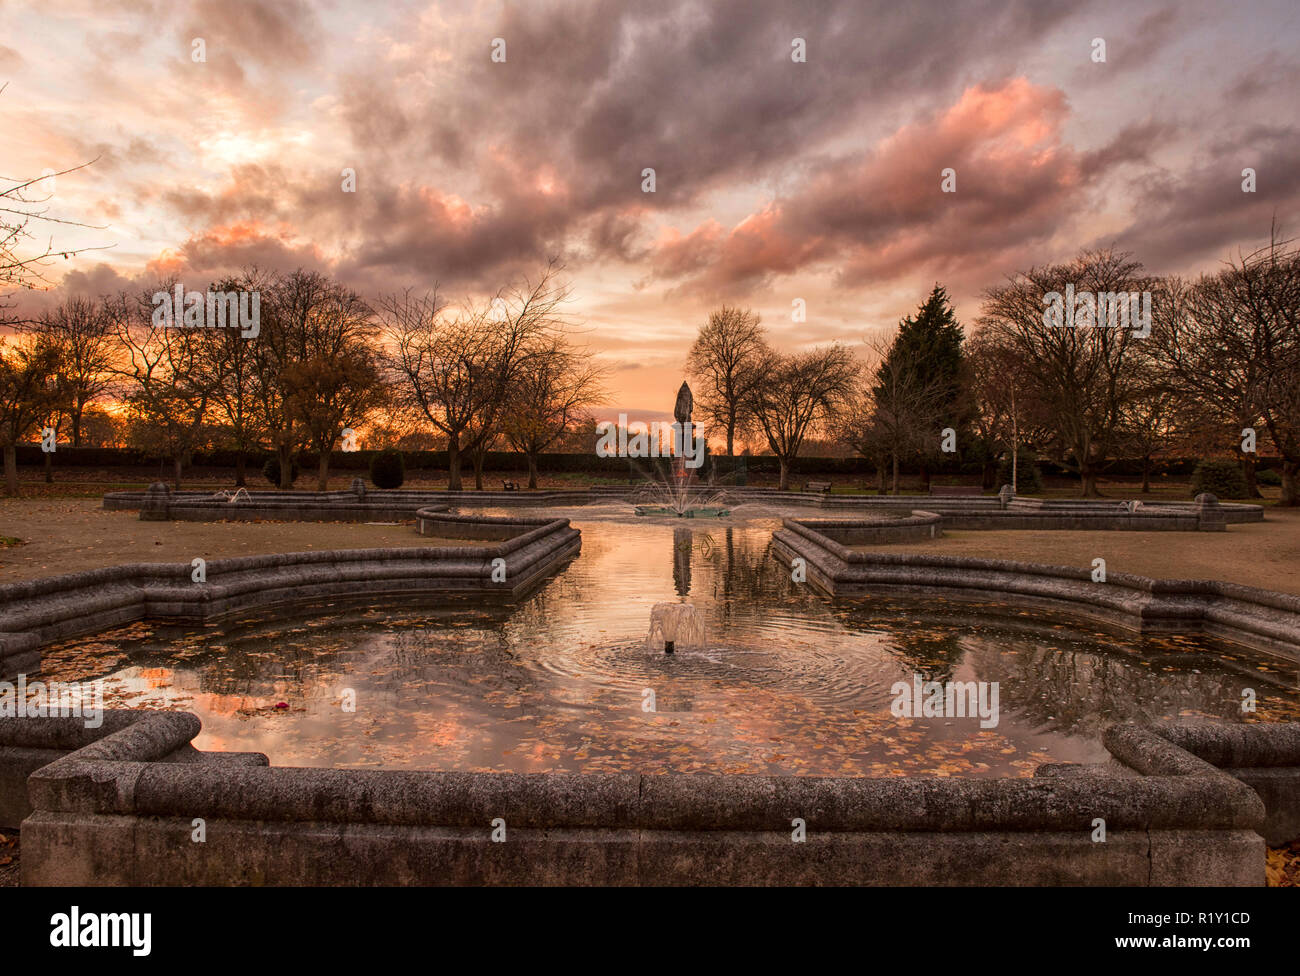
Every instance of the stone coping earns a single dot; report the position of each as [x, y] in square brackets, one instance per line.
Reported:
[39, 611]
[286, 511]
[878, 530]
[1263, 620]
[361, 503]
[116, 808]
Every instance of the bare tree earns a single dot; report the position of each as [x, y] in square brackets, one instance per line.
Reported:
[1080, 379]
[483, 436]
[1265, 289]
[1150, 425]
[80, 331]
[164, 385]
[724, 359]
[992, 419]
[331, 395]
[305, 318]
[457, 366]
[798, 393]
[1205, 357]
[26, 398]
[551, 395]
[24, 210]
[439, 366]
[58, 408]
[329, 391]
[232, 362]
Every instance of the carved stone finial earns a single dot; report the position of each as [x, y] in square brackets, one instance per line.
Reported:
[685, 404]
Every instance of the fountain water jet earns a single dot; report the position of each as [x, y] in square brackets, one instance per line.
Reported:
[675, 623]
[678, 494]
[680, 499]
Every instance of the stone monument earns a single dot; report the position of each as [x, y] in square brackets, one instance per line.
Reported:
[683, 435]
[685, 405]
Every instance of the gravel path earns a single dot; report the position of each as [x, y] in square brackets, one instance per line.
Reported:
[69, 534]
[1264, 554]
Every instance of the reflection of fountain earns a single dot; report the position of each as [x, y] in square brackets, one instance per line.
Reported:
[240, 495]
[683, 543]
[672, 624]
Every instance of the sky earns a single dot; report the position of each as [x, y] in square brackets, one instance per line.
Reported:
[776, 180]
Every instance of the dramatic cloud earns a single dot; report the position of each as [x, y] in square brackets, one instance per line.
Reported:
[774, 178]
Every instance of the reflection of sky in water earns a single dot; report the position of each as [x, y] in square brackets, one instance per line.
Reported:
[790, 682]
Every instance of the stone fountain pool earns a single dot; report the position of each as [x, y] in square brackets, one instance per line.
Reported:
[788, 683]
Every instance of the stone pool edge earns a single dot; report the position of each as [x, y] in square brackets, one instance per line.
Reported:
[1262, 620]
[1003, 511]
[37, 612]
[118, 805]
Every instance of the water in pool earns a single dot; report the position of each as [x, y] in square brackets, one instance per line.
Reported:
[789, 682]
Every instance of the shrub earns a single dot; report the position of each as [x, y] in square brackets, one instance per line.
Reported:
[272, 470]
[1268, 477]
[388, 469]
[1223, 479]
[1029, 480]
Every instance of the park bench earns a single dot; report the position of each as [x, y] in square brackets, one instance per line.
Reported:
[956, 490]
[510, 486]
[823, 486]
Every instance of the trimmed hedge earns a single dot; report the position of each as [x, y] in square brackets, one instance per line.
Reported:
[1221, 478]
[1029, 479]
[388, 469]
[271, 469]
[585, 463]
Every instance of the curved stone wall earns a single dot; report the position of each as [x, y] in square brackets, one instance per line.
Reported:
[114, 806]
[36, 612]
[1260, 619]
[880, 530]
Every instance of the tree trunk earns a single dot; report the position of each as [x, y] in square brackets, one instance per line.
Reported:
[76, 427]
[532, 470]
[478, 457]
[453, 464]
[731, 439]
[177, 460]
[285, 458]
[324, 484]
[49, 467]
[1290, 484]
[11, 470]
[1146, 475]
[1089, 478]
[894, 488]
[1247, 463]
[239, 468]
[880, 476]
[785, 475]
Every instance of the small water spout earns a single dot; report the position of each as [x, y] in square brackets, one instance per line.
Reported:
[675, 623]
[681, 499]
